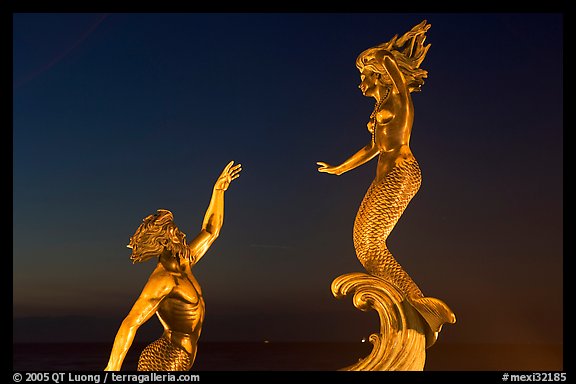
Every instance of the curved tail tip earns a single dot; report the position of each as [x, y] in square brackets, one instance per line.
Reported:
[434, 311]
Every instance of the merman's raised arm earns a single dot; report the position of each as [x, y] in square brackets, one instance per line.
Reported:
[214, 216]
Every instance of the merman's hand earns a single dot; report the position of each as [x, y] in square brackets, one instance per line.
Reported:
[230, 172]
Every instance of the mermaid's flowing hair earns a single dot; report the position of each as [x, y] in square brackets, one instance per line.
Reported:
[156, 233]
[409, 51]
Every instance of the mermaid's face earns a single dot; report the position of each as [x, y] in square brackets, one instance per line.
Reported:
[369, 80]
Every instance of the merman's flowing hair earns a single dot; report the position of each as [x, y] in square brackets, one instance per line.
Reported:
[156, 233]
[409, 51]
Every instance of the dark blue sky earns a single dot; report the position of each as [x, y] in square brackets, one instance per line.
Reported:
[117, 115]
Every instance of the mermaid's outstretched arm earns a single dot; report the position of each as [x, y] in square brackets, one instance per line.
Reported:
[144, 308]
[361, 157]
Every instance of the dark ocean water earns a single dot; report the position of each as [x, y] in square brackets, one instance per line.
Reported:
[291, 357]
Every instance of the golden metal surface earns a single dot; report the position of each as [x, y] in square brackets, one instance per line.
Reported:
[389, 73]
[401, 343]
[172, 292]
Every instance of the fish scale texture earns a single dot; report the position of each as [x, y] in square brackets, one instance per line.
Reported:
[162, 355]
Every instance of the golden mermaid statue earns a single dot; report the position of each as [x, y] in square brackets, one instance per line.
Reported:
[389, 72]
[172, 292]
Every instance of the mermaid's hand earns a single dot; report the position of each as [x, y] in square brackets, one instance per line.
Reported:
[327, 168]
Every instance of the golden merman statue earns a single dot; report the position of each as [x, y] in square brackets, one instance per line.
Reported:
[172, 292]
[389, 73]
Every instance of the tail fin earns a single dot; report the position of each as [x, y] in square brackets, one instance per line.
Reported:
[435, 312]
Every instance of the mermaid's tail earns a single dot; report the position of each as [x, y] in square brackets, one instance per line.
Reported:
[435, 312]
[381, 208]
[162, 355]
